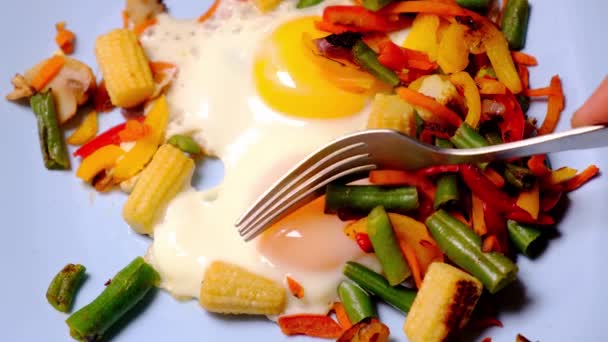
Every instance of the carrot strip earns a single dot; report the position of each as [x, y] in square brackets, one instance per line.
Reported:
[554, 107]
[489, 86]
[341, 315]
[64, 38]
[537, 165]
[494, 177]
[398, 177]
[296, 289]
[139, 29]
[49, 70]
[479, 221]
[125, 19]
[310, 325]
[209, 12]
[546, 91]
[523, 58]
[524, 75]
[491, 244]
[134, 130]
[582, 178]
[440, 111]
[412, 261]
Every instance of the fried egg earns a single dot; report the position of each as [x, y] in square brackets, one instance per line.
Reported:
[248, 92]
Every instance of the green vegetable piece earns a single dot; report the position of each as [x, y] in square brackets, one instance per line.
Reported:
[386, 246]
[493, 138]
[399, 297]
[467, 137]
[185, 143]
[368, 60]
[447, 191]
[463, 247]
[62, 290]
[486, 71]
[419, 121]
[52, 145]
[357, 303]
[127, 288]
[308, 3]
[523, 237]
[475, 5]
[363, 198]
[520, 177]
[515, 23]
[524, 102]
[443, 143]
[375, 5]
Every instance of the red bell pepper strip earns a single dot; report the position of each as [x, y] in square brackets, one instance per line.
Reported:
[109, 137]
[364, 242]
[513, 121]
[483, 188]
[497, 227]
[361, 19]
[310, 325]
[397, 58]
[537, 165]
[549, 200]
[438, 170]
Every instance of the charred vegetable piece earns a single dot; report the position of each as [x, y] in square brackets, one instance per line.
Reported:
[127, 288]
[62, 290]
[520, 177]
[368, 60]
[52, 144]
[356, 301]
[515, 23]
[368, 330]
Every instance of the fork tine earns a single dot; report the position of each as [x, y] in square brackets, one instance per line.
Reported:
[297, 175]
[306, 197]
[340, 166]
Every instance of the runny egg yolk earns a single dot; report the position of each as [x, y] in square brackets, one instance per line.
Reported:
[289, 79]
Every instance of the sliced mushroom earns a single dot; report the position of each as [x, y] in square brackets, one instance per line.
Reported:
[71, 87]
[141, 10]
[22, 89]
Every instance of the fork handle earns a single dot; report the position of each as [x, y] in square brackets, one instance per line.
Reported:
[574, 139]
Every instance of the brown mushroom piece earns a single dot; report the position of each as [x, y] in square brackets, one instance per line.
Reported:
[71, 87]
[140, 11]
[21, 89]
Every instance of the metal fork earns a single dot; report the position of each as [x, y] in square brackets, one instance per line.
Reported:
[355, 154]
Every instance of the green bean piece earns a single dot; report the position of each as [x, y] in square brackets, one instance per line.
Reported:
[363, 198]
[399, 297]
[447, 191]
[375, 5]
[127, 288]
[515, 23]
[524, 102]
[357, 303]
[475, 5]
[52, 145]
[463, 247]
[185, 143]
[493, 138]
[386, 246]
[443, 143]
[520, 177]
[62, 290]
[308, 3]
[368, 60]
[419, 121]
[467, 137]
[523, 237]
[486, 71]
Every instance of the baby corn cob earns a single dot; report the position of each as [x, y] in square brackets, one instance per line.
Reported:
[391, 112]
[125, 68]
[159, 182]
[230, 289]
[443, 304]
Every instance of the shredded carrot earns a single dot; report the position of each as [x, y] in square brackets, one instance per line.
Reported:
[310, 325]
[125, 19]
[440, 111]
[546, 91]
[209, 12]
[582, 178]
[537, 165]
[494, 177]
[64, 38]
[47, 72]
[554, 107]
[134, 130]
[524, 75]
[491, 244]
[296, 289]
[479, 221]
[523, 58]
[412, 261]
[399, 177]
[341, 315]
[139, 29]
[490, 86]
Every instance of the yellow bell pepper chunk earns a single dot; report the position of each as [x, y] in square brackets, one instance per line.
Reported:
[453, 53]
[102, 159]
[530, 201]
[471, 94]
[497, 48]
[86, 131]
[560, 175]
[423, 35]
[135, 160]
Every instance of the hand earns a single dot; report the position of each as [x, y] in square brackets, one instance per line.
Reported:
[595, 110]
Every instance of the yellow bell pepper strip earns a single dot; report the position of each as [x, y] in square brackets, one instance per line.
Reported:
[423, 35]
[529, 201]
[453, 53]
[86, 131]
[471, 94]
[561, 175]
[102, 159]
[135, 160]
[497, 48]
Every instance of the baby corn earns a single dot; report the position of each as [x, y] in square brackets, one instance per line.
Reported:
[391, 112]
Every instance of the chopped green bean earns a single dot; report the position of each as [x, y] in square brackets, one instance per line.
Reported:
[419, 121]
[467, 137]
[475, 5]
[185, 143]
[463, 247]
[357, 303]
[520, 177]
[52, 145]
[447, 190]
[363, 198]
[515, 23]
[523, 237]
[62, 290]
[308, 3]
[386, 246]
[443, 143]
[127, 288]
[399, 297]
[368, 60]
[375, 5]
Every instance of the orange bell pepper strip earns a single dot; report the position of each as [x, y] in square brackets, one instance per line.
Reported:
[555, 106]
[86, 131]
[341, 316]
[440, 111]
[471, 94]
[478, 217]
[537, 165]
[294, 287]
[561, 175]
[529, 201]
[47, 72]
[102, 159]
[412, 261]
[363, 20]
[64, 38]
[209, 13]
[134, 130]
[581, 178]
[523, 58]
[311, 325]
[489, 86]
[397, 58]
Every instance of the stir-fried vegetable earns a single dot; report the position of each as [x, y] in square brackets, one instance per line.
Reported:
[357, 303]
[52, 145]
[62, 290]
[361, 199]
[367, 59]
[515, 23]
